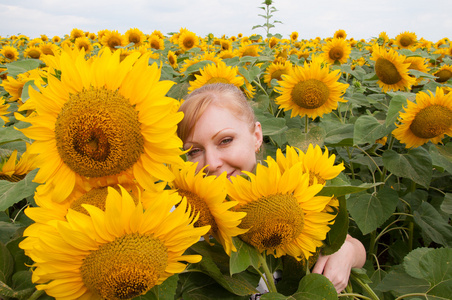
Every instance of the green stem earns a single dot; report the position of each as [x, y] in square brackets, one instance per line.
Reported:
[351, 163]
[36, 295]
[411, 295]
[366, 287]
[373, 236]
[270, 282]
[353, 295]
[306, 124]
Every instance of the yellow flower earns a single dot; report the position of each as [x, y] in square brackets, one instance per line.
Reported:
[172, 59]
[444, 73]
[284, 217]
[248, 50]
[13, 170]
[32, 52]
[104, 118]
[294, 36]
[188, 40]
[9, 53]
[337, 50]
[406, 40]
[276, 71]
[113, 39]
[119, 253]
[429, 119]
[391, 69]
[310, 90]
[156, 42]
[340, 34]
[419, 64]
[214, 73]
[49, 48]
[4, 110]
[135, 36]
[77, 33]
[206, 195]
[85, 43]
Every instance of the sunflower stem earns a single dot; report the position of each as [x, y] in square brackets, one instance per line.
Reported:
[306, 124]
[365, 286]
[36, 295]
[269, 281]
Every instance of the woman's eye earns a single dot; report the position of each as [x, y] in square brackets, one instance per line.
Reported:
[193, 152]
[225, 141]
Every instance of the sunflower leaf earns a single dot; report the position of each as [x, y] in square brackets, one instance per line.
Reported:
[315, 286]
[13, 192]
[395, 106]
[22, 66]
[433, 225]
[6, 264]
[368, 129]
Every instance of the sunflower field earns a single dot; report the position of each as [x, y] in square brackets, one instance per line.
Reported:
[98, 201]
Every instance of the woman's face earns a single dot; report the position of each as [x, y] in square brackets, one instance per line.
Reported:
[223, 142]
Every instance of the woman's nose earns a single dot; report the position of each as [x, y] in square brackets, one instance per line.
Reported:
[213, 161]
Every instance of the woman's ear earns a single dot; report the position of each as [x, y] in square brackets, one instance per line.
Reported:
[258, 136]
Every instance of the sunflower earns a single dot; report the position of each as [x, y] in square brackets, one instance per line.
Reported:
[310, 90]
[294, 36]
[391, 69]
[113, 39]
[248, 50]
[444, 73]
[49, 48]
[336, 50]
[405, 40]
[14, 170]
[340, 34]
[319, 165]
[32, 52]
[206, 56]
[284, 217]
[188, 40]
[214, 73]
[4, 110]
[276, 70]
[206, 195]
[56, 39]
[119, 253]
[156, 42]
[85, 43]
[9, 53]
[104, 118]
[429, 119]
[135, 36]
[225, 44]
[77, 33]
[419, 64]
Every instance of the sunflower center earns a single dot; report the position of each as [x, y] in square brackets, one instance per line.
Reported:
[156, 45]
[217, 80]
[431, 121]
[134, 38]
[113, 42]
[200, 206]
[12, 178]
[387, 71]
[34, 53]
[310, 94]
[336, 53]
[125, 268]
[273, 221]
[443, 75]
[95, 197]
[189, 43]
[98, 133]
[9, 55]
[405, 41]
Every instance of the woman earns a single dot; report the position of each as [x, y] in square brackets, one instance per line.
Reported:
[220, 131]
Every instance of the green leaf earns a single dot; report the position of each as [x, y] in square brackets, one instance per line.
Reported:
[411, 262]
[245, 256]
[395, 106]
[315, 286]
[22, 284]
[272, 125]
[370, 210]
[197, 67]
[21, 261]
[415, 165]
[22, 66]
[249, 73]
[433, 225]
[25, 96]
[298, 138]
[10, 134]
[13, 192]
[340, 135]
[368, 129]
[336, 236]
[399, 281]
[6, 264]
[436, 268]
[164, 291]
[446, 206]
[342, 190]
[441, 157]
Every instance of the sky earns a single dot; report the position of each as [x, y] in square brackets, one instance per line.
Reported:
[361, 19]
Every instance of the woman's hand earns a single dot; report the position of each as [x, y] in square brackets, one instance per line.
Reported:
[337, 266]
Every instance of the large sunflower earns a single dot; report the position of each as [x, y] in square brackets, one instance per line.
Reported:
[310, 90]
[206, 195]
[119, 253]
[156, 42]
[104, 118]
[214, 73]
[336, 50]
[429, 119]
[32, 52]
[284, 217]
[391, 69]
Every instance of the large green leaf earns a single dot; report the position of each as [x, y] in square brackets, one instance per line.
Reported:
[446, 206]
[13, 192]
[411, 262]
[416, 165]
[21, 66]
[436, 268]
[368, 129]
[399, 281]
[244, 257]
[10, 134]
[298, 138]
[315, 286]
[336, 236]
[433, 225]
[395, 106]
[441, 157]
[6, 264]
[340, 135]
[370, 210]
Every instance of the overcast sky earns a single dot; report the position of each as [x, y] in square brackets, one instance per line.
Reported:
[361, 19]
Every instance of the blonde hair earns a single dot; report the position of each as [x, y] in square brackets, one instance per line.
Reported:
[197, 102]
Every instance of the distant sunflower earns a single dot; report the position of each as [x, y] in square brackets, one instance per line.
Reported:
[113, 39]
[419, 64]
[206, 195]
[225, 44]
[318, 164]
[248, 50]
[156, 42]
[77, 33]
[391, 69]
[85, 43]
[9, 53]
[276, 70]
[429, 119]
[104, 119]
[310, 90]
[119, 253]
[188, 40]
[172, 59]
[4, 110]
[337, 50]
[284, 217]
[444, 73]
[32, 52]
[56, 39]
[340, 34]
[406, 40]
[214, 73]
[92, 36]
[49, 48]
[135, 36]
[14, 169]
[294, 36]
